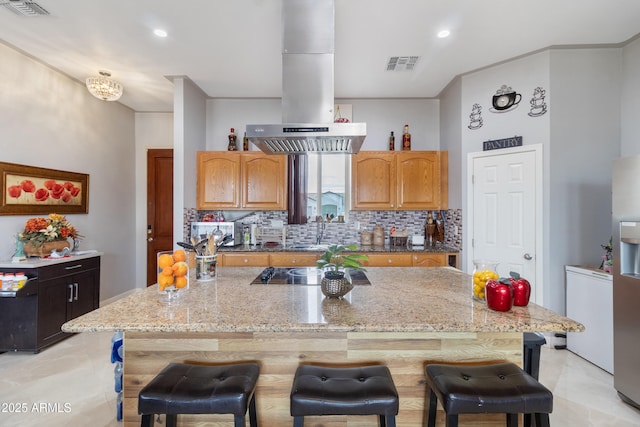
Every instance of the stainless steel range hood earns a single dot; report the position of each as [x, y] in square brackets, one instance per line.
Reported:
[307, 87]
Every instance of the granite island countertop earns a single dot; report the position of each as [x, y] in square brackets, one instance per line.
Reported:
[399, 299]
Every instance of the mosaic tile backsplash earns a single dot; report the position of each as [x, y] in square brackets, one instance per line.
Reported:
[347, 232]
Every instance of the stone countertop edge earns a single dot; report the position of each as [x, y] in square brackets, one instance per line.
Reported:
[399, 299]
[382, 249]
[35, 262]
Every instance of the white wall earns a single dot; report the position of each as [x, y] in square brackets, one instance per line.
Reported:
[153, 131]
[630, 138]
[49, 120]
[381, 115]
[585, 133]
[451, 138]
[580, 136]
[522, 75]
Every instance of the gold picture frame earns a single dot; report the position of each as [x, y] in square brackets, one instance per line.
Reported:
[30, 190]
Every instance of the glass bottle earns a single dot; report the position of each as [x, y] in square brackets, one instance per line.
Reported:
[232, 141]
[483, 271]
[245, 143]
[392, 142]
[406, 138]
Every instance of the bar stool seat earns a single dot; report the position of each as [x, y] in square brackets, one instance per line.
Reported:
[487, 389]
[182, 388]
[365, 390]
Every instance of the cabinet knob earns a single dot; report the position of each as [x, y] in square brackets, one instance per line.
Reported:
[528, 257]
[246, 260]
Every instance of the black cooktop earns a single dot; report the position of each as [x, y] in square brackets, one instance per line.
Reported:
[308, 276]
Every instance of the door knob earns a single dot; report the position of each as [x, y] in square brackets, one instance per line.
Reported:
[150, 239]
[528, 257]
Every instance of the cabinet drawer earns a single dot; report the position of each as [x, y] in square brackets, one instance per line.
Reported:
[429, 260]
[67, 268]
[245, 260]
[388, 260]
[289, 259]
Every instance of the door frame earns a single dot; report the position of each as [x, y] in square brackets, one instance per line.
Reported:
[539, 209]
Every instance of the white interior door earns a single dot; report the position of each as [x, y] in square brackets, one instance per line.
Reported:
[505, 211]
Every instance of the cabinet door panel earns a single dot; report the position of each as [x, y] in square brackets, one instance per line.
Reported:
[53, 298]
[418, 180]
[263, 181]
[84, 293]
[217, 181]
[374, 175]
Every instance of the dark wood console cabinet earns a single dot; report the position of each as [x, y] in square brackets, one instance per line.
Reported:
[32, 319]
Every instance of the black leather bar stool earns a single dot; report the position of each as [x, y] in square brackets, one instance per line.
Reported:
[364, 390]
[487, 389]
[200, 389]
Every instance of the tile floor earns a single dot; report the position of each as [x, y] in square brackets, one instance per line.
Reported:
[71, 385]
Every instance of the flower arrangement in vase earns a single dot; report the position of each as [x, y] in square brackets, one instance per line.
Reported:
[334, 262]
[42, 235]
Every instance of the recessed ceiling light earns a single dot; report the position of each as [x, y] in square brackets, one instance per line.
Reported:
[444, 33]
[160, 33]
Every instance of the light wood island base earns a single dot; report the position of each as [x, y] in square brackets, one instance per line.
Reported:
[280, 353]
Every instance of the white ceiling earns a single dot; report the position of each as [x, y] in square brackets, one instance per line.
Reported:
[232, 48]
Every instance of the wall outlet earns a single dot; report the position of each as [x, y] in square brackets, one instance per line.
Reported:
[455, 230]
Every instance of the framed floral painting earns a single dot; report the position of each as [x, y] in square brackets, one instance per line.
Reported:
[29, 190]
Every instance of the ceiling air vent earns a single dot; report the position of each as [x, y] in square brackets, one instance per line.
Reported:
[24, 8]
[402, 63]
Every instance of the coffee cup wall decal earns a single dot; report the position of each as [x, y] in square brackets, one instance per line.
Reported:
[505, 98]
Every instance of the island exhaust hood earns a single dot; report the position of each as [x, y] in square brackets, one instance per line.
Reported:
[307, 87]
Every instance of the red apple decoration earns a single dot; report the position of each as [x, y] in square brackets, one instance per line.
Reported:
[521, 289]
[499, 294]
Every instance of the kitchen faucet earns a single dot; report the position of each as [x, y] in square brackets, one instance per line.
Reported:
[320, 225]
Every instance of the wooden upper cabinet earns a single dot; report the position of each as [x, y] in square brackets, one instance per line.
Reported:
[373, 180]
[264, 181]
[241, 180]
[420, 176]
[402, 180]
[218, 180]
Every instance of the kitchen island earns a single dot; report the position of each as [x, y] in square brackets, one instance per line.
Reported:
[406, 318]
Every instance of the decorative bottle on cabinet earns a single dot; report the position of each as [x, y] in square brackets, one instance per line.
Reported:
[406, 138]
[232, 141]
[392, 142]
[245, 143]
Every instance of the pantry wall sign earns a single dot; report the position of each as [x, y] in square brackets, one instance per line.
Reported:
[31, 190]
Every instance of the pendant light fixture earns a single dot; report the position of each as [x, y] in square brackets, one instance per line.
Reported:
[104, 87]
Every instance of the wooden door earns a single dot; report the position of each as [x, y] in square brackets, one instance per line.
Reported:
[264, 179]
[374, 180]
[159, 207]
[218, 180]
[418, 178]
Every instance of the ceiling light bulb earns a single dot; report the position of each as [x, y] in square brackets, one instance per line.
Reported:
[160, 33]
[444, 33]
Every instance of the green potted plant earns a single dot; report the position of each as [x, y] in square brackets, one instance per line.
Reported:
[335, 261]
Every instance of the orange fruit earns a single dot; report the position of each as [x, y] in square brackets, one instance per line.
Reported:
[164, 281]
[179, 255]
[167, 271]
[180, 268]
[181, 282]
[165, 260]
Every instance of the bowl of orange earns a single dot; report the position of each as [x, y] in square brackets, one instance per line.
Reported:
[173, 271]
